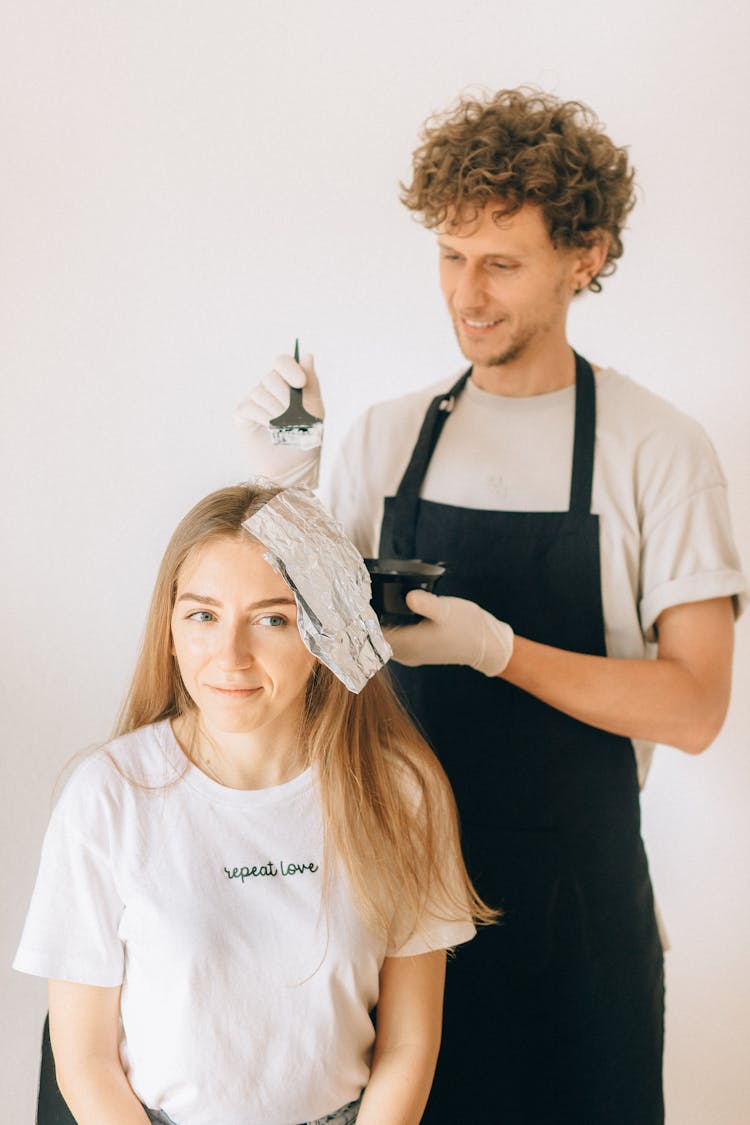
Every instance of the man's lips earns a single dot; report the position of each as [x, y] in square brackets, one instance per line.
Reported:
[473, 326]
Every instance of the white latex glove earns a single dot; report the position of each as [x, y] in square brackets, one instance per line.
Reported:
[455, 631]
[288, 465]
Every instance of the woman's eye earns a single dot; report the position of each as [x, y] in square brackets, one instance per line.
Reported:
[273, 620]
[201, 615]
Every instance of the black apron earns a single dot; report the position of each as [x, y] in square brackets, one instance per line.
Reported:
[554, 1016]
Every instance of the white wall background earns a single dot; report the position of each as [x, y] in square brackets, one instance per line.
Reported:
[187, 186]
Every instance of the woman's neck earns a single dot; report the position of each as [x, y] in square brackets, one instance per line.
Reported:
[257, 759]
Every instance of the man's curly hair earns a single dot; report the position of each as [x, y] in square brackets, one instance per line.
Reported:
[524, 146]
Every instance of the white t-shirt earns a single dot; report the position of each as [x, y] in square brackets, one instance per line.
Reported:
[665, 531]
[243, 1001]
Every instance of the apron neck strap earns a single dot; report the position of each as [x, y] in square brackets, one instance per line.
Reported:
[585, 435]
[406, 500]
[432, 427]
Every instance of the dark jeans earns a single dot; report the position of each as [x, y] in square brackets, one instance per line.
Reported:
[346, 1115]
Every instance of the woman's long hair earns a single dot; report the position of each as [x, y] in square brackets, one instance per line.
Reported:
[388, 808]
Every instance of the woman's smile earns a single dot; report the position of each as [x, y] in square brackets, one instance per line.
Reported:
[237, 646]
[234, 692]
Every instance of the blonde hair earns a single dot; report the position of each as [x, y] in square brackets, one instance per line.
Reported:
[388, 808]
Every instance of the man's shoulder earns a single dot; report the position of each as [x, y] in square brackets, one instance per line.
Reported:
[400, 412]
[616, 391]
[668, 453]
[418, 399]
[637, 410]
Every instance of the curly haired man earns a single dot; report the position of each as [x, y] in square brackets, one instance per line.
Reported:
[587, 611]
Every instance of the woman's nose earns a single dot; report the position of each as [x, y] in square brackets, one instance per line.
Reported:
[235, 650]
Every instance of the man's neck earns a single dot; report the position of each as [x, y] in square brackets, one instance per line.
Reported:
[537, 373]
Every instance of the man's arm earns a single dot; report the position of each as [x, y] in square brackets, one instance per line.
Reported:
[679, 699]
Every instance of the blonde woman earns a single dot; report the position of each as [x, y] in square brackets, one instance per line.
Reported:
[258, 859]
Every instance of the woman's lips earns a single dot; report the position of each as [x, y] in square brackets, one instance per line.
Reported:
[233, 692]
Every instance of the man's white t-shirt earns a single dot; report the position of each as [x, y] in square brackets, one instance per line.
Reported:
[661, 497]
[244, 1001]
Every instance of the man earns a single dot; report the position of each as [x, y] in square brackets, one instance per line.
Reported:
[587, 612]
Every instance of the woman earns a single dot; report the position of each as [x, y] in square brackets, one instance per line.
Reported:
[261, 856]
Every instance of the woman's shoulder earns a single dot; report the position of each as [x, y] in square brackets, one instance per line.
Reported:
[140, 760]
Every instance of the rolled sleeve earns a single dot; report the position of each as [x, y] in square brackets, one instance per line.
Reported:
[689, 556]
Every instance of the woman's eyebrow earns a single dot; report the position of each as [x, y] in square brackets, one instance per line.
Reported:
[204, 599]
[286, 600]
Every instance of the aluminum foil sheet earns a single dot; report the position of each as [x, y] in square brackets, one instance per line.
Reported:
[330, 583]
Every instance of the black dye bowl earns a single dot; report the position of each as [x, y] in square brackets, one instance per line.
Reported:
[392, 579]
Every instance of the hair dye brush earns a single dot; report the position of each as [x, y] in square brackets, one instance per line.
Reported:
[296, 426]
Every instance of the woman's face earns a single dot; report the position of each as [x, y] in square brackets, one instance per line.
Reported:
[235, 639]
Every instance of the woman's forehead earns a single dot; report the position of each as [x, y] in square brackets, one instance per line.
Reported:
[230, 562]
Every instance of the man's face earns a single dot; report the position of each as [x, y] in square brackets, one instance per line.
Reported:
[506, 285]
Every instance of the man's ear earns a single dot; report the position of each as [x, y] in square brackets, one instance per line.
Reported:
[589, 260]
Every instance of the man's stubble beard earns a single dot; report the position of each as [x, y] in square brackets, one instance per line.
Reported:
[518, 346]
[511, 353]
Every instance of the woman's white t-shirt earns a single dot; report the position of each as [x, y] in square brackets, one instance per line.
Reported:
[243, 1000]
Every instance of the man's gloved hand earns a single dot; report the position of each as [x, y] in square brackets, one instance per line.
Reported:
[455, 631]
[287, 464]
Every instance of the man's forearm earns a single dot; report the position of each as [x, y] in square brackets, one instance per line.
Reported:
[663, 700]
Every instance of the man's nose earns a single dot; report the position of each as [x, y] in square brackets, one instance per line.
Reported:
[470, 290]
